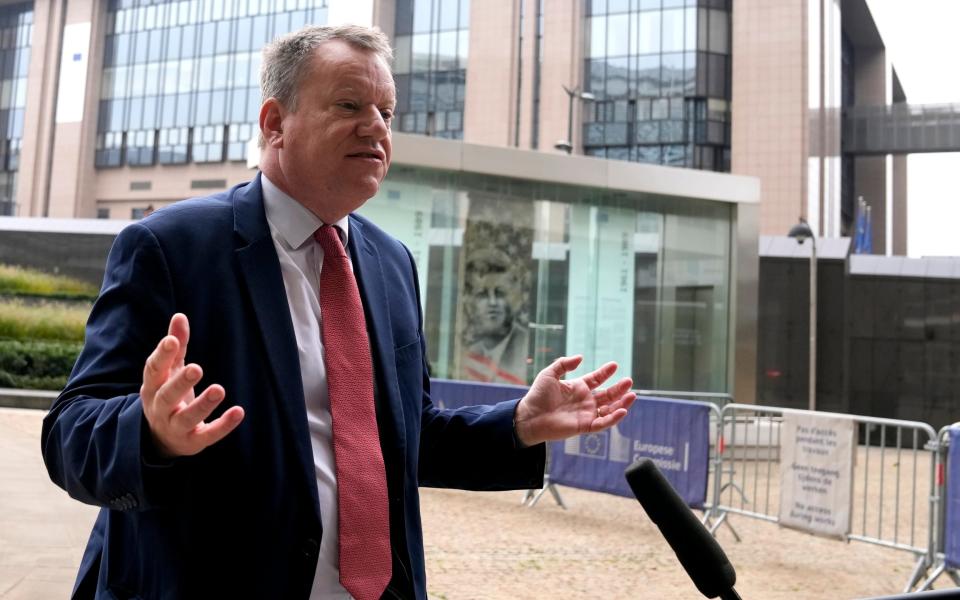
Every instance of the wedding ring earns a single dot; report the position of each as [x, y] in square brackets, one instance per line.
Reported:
[598, 412]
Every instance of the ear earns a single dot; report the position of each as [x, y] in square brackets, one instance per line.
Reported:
[271, 122]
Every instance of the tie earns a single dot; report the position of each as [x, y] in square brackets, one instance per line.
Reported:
[365, 563]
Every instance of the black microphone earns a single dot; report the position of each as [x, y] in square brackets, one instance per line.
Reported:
[697, 550]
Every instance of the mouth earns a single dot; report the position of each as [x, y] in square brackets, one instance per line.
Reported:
[371, 154]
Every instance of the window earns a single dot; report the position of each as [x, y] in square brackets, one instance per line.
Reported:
[181, 71]
[643, 56]
[430, 49]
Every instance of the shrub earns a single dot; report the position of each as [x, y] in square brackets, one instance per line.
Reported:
[41, 365]
[30, 282]
[21, 320]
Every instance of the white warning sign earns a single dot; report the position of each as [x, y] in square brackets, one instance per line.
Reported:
[816, 473]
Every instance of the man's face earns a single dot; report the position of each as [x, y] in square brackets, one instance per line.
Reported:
[492, 311]
[336, 146]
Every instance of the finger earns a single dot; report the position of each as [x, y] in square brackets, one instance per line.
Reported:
[607, 421]
[214, 431]
[625, 401]
[594, 379]
[180, 329]
[200, 408]
[173, 391]
[156, 369]
[563, 365]
[614, 391]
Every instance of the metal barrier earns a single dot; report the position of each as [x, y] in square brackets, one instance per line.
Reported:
[939, 564]
[719, 399]
[894, 499]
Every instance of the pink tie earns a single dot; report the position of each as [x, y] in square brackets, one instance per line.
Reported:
[365, 563]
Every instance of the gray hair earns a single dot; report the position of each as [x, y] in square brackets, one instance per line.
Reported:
[286, 58]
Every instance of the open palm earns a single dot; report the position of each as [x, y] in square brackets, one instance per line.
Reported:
[555, 409]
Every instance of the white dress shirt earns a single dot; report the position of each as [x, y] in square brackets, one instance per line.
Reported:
[301, 258]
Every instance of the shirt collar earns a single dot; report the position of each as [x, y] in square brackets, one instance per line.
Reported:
[292, 220]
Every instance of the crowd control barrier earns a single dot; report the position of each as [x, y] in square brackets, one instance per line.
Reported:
[946, 558]
[855, 478]
[449, 393]
[719, 399]
[675, 434]
[885, 482]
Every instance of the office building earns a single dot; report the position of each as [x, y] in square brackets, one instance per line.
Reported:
[119, 107]
[137, 103]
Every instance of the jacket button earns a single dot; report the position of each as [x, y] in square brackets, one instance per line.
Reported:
[311, 548]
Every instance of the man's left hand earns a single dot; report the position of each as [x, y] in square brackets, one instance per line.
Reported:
[555, 409]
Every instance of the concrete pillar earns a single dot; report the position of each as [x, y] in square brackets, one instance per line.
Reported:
[33, 177]
[870, 181]
[563, 44]
[491, 94]
[770, 137]
[75, 127]
[870, 80]
[899, 215]
[385, 16]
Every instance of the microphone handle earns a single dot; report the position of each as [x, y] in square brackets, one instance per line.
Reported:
[730, 594]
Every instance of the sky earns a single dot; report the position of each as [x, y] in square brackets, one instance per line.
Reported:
[923, 42]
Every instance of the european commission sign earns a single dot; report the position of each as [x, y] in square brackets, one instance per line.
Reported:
[672, 433]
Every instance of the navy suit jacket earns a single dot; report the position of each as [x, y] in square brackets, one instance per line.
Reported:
[241, 519]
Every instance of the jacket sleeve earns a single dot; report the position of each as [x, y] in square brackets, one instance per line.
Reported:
[94, 438]
[475, 448]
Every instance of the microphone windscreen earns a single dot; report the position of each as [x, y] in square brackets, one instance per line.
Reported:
[697, 550]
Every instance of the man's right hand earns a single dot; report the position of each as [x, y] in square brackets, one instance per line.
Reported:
[173, 412]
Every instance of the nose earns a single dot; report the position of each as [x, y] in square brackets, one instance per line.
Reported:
[373, 125]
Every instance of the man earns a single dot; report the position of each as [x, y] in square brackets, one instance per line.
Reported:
[294, 473]
[497, 344]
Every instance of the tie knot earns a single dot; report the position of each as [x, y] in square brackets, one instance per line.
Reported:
[328, 237]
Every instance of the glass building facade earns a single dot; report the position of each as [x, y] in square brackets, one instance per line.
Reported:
[515, 273]
[16, 33]
[431, 42]
[659, 71]
[181, 78]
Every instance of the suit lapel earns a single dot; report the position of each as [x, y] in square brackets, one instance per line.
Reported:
[373, 292]
[260, 270]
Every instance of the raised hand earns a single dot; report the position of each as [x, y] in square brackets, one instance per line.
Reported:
[173, 412]
[555, 409]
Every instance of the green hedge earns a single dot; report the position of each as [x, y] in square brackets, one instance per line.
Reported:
[40, 365]
[24, 321]
[40, 333]
[21, 281]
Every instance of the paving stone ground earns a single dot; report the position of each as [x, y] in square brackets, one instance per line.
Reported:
[478, 545]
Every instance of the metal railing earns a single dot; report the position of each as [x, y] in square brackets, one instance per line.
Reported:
[720, 399]
[939, 564]
[894, 496]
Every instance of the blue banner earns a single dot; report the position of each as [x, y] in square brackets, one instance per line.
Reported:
[951, 529]
[448, 393]
[675, 434]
